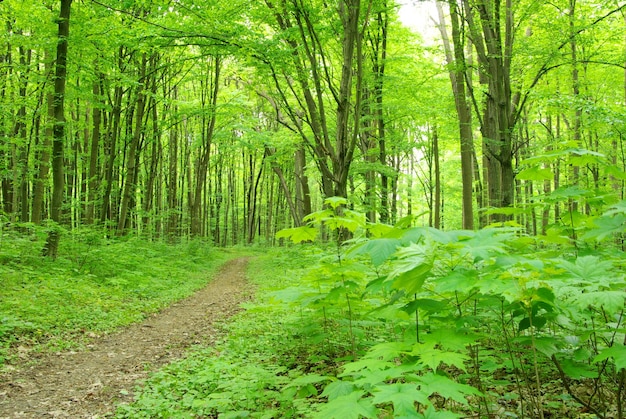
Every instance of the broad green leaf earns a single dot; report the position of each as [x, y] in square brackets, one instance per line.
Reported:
[617, 352]
[577, 370]
[378, 230]
[337, 389]
[619, 208]
[587, 269]
[447, 388]
[411, 281]
[535, 173]
[350, 406]
[388, 351]
[605, 226]
[461, 280]
[547, 345]
[611, 301]
[335, 202]
[615, 171]
[413, 267]
[537, 322]
[365, 364]
[379, 250]
[431, 413]
[451, 339]
[569, 192]
[403, 396]
[485, 243]
[298, 234]
[425, 304]
[432, 357]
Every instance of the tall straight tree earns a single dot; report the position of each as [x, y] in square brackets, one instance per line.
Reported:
[52, 243]
[455, 58]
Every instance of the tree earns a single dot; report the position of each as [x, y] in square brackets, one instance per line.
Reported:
[52, 244]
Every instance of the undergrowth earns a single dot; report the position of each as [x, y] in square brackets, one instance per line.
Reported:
[413, 322]
[95, 286]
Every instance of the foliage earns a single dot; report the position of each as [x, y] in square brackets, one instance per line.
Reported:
[96, 285]
[416, 322]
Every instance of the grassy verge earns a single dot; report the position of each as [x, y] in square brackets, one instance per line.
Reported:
[95, 286]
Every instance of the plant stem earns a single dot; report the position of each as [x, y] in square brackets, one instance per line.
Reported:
[536, 365]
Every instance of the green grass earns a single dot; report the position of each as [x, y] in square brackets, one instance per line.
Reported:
[95, 286]
[245, 374]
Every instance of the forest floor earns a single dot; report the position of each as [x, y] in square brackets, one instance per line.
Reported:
[88, 383]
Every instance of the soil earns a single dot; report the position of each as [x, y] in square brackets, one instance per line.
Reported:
[89, 383]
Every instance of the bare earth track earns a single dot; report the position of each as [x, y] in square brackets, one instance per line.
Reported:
[87, 384]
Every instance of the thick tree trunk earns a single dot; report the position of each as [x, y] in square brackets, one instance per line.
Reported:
[52, 243]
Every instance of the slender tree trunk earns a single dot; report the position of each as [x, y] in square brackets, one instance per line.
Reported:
[112, 139]
[92, 176]
[203, 159]
[21, 196]
[52, 243]
[437, 198]
[456, 62]
[129, 186]
[43, 156]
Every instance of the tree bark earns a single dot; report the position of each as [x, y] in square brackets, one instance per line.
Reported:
[131, 158]
[52, 243]
[457, 65]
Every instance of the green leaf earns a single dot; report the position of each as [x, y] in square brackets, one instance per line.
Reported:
[577, 370]
[379, 250]
[337, 389]
[451, 339]
[431, 413]
[350, 406]
[611, 301]
[426, 304]
[447, 388]
[619, 208]
[547, 345]
[298, 234]
[431, 356]
[587, 269]
[335, 202]
[617, 352]
[569, 192]
[535, 173]
[402, 396]
[605, 226]
[411, 281]
[388, 350]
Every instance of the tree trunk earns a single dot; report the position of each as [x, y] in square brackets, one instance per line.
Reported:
[131, 158]
[92, 176]
[457, 65]
[203, 160]
[52, 243]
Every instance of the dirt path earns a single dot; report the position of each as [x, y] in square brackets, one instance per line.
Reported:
[88, 384]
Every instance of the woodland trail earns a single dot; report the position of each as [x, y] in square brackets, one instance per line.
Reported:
[89, 383]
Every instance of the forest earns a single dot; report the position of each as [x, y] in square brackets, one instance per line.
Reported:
[429, 196]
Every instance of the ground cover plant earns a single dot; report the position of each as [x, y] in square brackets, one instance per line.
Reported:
[417, 322]
[95, 285]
